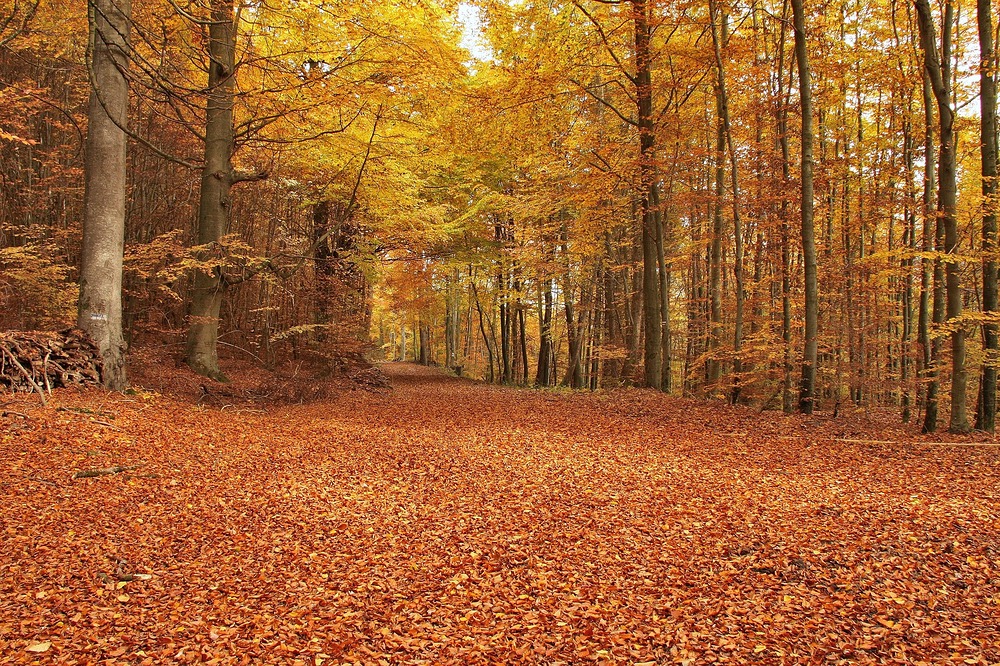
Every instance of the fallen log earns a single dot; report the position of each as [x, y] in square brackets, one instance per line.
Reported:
[104, 471]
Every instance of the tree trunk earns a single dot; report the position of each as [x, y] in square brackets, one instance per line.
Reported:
[450, 323]
[931, 306]
[574, 376]
[650, 280]
[100, 306]
[939, 72]
[807, 387]
[217, 180]
[543, 374]
[596, 329]
[490, 377]
[633, 311]
[910, 241]
[666, 359]
[523, 344]
[720, 34]
[323, 261]
[787, 399]
[425, 343]
[986, 415]
[715, 254]
[611, 369]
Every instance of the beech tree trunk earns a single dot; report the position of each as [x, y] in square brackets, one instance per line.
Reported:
[453, 304]
[543, 374]
[99, 310]
[715, 253]
[931, 309]
[720, 36]
[787, 398]
[666, 357]
[574, 371]
[650, 280]
[939, 71]
[807, 387]
[217, 180]
[906, 265]
[425, 342]
[986, 416]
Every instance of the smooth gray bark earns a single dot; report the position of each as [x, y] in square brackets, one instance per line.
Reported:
[100, 306]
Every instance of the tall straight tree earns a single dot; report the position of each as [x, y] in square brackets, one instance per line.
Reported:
[99, 310]
[938, 69]
[807, 387]
[649, 193]
[986, 415]
[720, 35]
[217, 180]
[932, 273]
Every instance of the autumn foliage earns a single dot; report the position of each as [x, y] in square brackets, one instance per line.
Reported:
[596, 194]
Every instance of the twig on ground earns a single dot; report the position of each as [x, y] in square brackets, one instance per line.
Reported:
[90, 412]
[45, 481]
[104, 471]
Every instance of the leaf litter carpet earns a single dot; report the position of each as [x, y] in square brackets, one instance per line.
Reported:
[447, 522]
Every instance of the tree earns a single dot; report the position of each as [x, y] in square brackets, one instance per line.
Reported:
[719, 38]
[100, 304]
[986, 414]
[217, 180]
[651, 301]
[938, 69]
[807, 387]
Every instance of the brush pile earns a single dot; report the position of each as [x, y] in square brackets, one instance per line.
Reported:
[38, 360]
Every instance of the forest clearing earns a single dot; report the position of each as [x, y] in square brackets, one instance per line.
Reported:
[445, 521]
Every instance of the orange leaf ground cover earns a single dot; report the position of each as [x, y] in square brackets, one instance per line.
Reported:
[446, 522]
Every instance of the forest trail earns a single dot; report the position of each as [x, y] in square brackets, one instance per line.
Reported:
[446, 521]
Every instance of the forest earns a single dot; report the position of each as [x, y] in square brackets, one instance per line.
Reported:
[783, 206]
[499, 331]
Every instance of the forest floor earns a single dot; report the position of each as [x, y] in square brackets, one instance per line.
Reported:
[447, 522]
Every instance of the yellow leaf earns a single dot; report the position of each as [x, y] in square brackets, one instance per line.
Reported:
[123, 598]
[759, 648]
[39, 647]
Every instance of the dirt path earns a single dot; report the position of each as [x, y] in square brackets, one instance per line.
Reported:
[450, 522]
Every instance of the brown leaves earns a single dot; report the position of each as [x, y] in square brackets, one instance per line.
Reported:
[448, 522]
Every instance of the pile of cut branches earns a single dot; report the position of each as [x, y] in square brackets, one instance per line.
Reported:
[40, 361]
